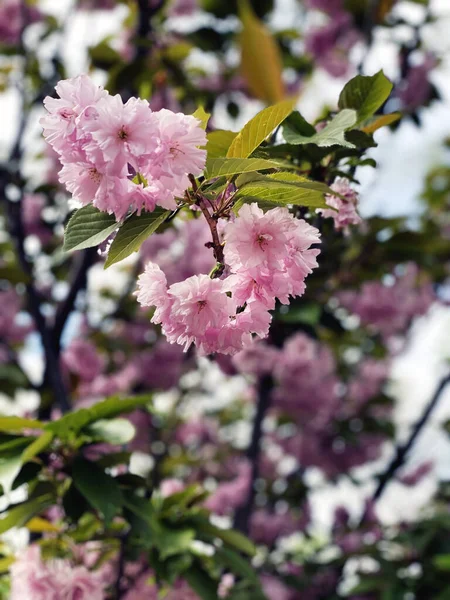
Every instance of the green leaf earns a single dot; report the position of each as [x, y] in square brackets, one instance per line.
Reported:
[240, 566]
[20, 514]
[100, 489]
[202, 116]
[442, 562]
[229, 536]
[38, 446]
[278, 192]
[10, 467]
[133, 233]
[308, 314]
[88, 227]
[218, 167]
[112, 431]
[298, 125]
[201, 583]
[18, 424]
[300, 181]
[331, 135]
[365, 94]
[261, 59]
[258, 128]
[218, 142]
[75, 421]
[174, 541]
[5, 563]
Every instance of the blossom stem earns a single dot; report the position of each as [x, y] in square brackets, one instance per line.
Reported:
[212, 223]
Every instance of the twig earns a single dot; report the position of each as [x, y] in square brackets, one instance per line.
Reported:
[242, 517]
[120, 567]
[403, 449]
[212, 223]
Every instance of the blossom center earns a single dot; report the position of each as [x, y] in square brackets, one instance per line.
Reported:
[263, 240]
[95, 175]
[201, 305]
[123, 133]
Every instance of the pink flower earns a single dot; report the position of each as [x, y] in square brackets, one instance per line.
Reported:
[389, 309]
[122, 132]
[31, 578]
[152, 291]
[226, 585]
[89, 183]
[229, 495]
[329, 45]
[257, 238]
[75, 95]
[12, 14]
[81, 357]
[345, 213]
[179, 136]
[103, 143]
[171, 486]
[198, 305]
[269, 255]
[274, 589]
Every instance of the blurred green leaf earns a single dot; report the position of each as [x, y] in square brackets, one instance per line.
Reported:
[112, 431]
[100, 489]
[261, 59]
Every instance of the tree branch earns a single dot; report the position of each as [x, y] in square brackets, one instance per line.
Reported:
[403, 449]
[243, 514]
[78, 283]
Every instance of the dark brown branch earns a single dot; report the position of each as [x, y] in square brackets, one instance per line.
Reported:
[403, 449]
[78, 283]
[52, 370]
[243, 514]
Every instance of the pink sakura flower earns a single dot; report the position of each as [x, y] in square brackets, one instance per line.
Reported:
[75, 95]
[229, 495]
[81, 357]
[226, 584]
[54, 580]
[99, 140]
[121, 132]
[345, 213]
[268, 260]
[257, 238]
[269, 254]
[199, 305]
[169, 487]
[87, 183]
[179, 136]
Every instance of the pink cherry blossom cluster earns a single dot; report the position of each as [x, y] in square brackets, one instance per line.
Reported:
[388, 308]
[267, 255]
[103, 144]
[31, 577]
[345, 204]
